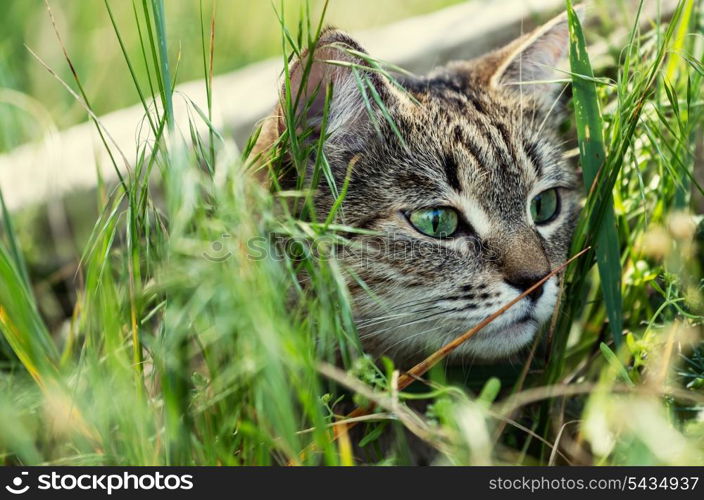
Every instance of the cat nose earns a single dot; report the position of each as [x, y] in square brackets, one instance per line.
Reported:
[523, 282]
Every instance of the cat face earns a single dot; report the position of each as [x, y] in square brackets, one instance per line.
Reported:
[460, 176]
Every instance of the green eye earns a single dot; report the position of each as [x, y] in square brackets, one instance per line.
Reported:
[543, 207]
[435, 222]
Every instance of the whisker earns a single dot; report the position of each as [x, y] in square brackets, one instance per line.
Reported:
[411, 337]
[552, 107]
[414, 303]
[382, 319]
[409, 323]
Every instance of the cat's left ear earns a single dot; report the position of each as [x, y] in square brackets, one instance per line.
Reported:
[529, 64]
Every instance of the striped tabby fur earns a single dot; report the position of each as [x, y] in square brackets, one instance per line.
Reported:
[474, 139]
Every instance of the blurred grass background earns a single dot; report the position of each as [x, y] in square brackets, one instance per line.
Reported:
[246, 31]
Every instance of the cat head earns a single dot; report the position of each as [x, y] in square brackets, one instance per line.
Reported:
[459, 174]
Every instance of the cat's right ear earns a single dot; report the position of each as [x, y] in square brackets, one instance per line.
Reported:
[340, 63]
[528, 64]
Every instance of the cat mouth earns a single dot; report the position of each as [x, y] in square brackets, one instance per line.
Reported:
[524, 324]
[502, 338]
[526, 318]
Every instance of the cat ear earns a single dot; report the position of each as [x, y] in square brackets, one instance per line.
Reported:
[530, 62]
[341, 63]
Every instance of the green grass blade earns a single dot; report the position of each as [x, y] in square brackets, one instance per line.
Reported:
[616, 364]
[22, 325]
[592, 155]
[12, 241]
[159, 22]
[130, 67]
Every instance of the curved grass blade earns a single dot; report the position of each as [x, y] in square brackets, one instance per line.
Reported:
[592, 156]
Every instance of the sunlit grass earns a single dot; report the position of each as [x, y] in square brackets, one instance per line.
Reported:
[246, 32]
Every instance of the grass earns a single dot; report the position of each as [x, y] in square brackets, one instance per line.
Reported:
[179, 347]
[590, 125]
[246, 32]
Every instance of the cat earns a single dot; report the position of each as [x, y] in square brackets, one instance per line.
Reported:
[459, 173]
